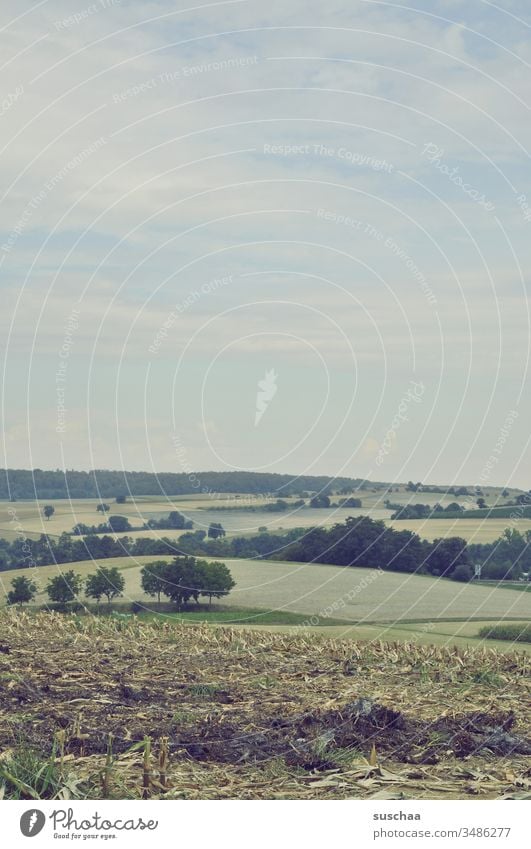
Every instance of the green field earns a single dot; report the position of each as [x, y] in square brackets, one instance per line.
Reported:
[372, 604]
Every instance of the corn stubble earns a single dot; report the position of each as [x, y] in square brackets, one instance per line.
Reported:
[100, 709]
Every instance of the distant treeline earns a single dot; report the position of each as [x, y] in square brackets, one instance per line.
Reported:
[21, 484]
[454, 510]
[359, 541]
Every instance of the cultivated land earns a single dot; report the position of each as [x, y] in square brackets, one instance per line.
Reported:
[237, 521]
[233, 714]
[384, 607]
[472, 530]
[370, 602]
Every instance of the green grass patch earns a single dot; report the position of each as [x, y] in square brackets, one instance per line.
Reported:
[202, 613]
[239, 616]
[204, 691]
[514, 632]
[506, 585]
[27, 774]
[486, 676]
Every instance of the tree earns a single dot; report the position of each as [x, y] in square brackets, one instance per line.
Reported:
[48, 511]
[481, 503]
[350, 502]
[64, 588]
[119, 524]
[177, 520]
[155, 578]
[320, 501]
[453, 507]
[446, 555]
[107, 581]
[217, 581]
[121, 499]
[174, 521]
[182, 580]
[216, 530]
[24, 590]
[186, 578]
[103, 508]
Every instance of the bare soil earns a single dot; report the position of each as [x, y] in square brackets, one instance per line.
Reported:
[236, 714]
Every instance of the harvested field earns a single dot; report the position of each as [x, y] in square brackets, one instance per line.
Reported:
[472, 530]
[160, 710]
[202, 510]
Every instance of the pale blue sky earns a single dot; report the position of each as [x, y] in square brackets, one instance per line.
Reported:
[357, 173]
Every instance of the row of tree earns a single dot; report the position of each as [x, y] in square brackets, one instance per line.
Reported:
[422, 511]
[175, 521]
[323, 501]
[116, 524]
[186, 578]
[65, 588]
[182, 579]
[360, 541]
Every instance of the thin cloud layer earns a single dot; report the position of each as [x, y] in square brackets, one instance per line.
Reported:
[358, 176]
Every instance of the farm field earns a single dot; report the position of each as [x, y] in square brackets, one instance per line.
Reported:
[472, 530]
[241, 522]
[462, 634]
[232, 713]
[353, 595]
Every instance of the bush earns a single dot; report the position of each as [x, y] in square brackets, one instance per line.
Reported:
[462, 573]
[65, 607]
[119, 524]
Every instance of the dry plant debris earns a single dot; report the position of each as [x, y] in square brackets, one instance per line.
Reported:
[135, 709]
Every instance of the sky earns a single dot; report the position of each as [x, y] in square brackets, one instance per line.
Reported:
[289, 237]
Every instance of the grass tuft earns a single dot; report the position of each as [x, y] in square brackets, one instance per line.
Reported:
[27, 774]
